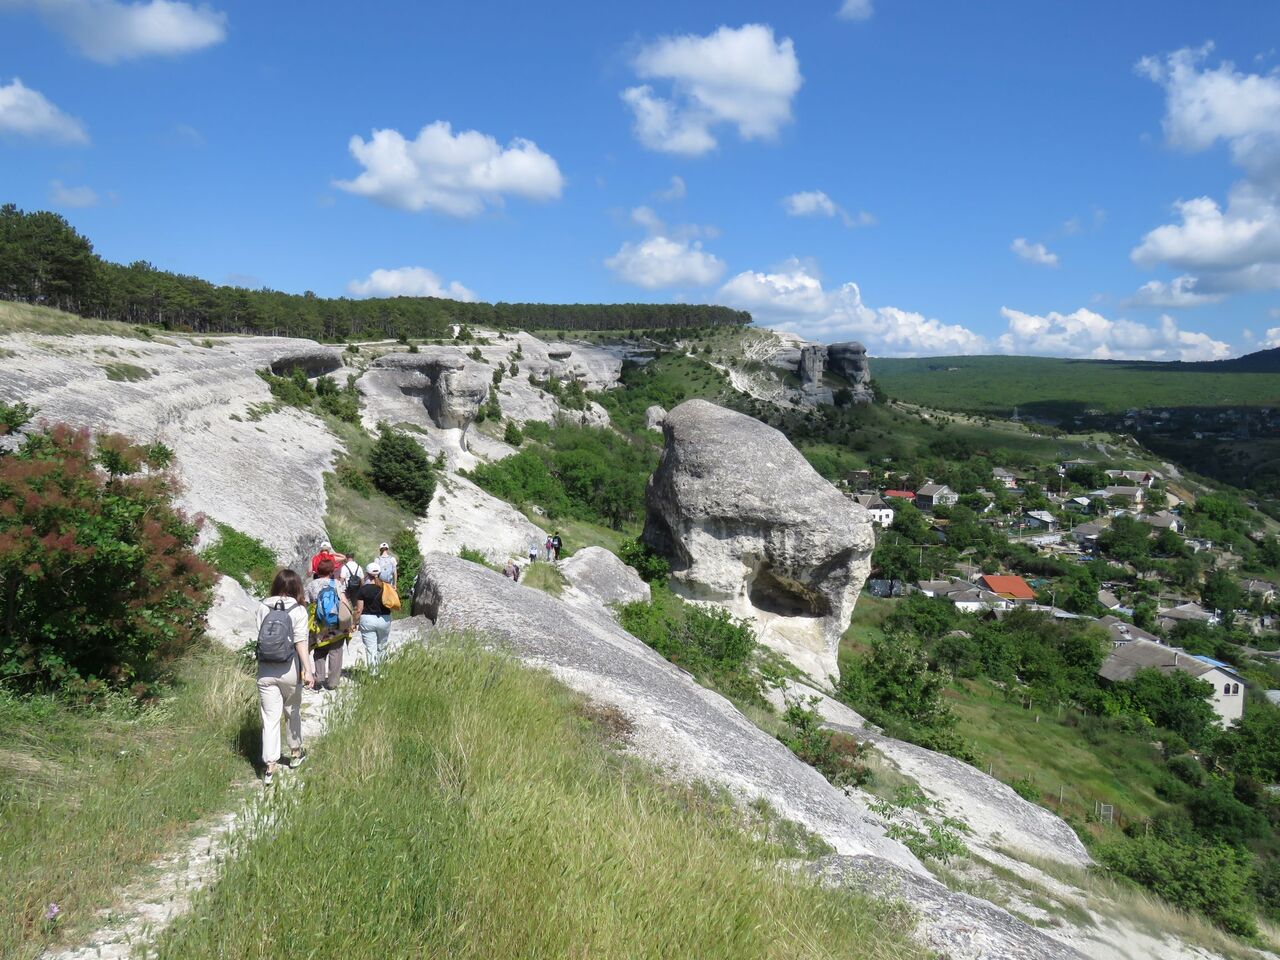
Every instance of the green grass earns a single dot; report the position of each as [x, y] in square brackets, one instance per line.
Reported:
[486, 818]
[869, 613]
[1050, 386]
[88, 797]
[126, 372]
[29, 318]
[1116, 768]
[543, 576]
[576, 534]
[243, 558]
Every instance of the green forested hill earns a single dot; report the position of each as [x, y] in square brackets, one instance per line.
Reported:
[1045, 386]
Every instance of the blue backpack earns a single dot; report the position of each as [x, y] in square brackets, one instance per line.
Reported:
[328, 605]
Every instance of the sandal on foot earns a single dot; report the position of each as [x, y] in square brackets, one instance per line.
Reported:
[297, 759]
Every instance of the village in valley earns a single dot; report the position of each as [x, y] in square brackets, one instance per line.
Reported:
[1178, 581]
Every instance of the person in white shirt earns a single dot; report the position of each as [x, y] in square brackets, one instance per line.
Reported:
[280, 684]
[387, 564]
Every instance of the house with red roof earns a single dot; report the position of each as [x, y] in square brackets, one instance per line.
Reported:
[900, 494]
[1008, 587]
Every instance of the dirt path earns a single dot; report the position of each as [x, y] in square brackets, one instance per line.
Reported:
[165, 892]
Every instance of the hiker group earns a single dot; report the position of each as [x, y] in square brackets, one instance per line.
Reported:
[303, 632]
[548, 550]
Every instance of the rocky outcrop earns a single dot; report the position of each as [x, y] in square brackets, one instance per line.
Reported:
[693, 733]
[958, 926]
[231, 440]
[748, 524]
[602, 578]
[849, 360]
[653, 417]
[232, 618]
[463, 515]
[813, 362]
[451, 388]
[313, 360]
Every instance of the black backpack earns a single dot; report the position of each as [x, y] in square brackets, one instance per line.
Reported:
[275, 636]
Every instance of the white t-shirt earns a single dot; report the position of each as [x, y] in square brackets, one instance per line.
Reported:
[387, 568]
[298, 615]
[351, 569]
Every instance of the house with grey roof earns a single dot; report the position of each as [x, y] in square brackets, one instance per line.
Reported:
[1126, 659]
[936, 495]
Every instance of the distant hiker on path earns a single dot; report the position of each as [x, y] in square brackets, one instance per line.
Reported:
[373, 613]
[387, 564]
[533, 552]
[556, 544]
[330, 623]
[550, 548]
[351, 574]
[509, 571]
[284, 665]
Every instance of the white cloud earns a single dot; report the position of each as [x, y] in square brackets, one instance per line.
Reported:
[741, 77]
[815, 203]
[109, 31]
[458, 174]
[792, 298]
[645, 217]
[64, 196]
[1179, 292]
[676, 190]
[1085, 333]
[1210, 238]
[856, 10]
[408, 282]
[26, 113]
[1034, 252]
[661, 261]
[1272, 339]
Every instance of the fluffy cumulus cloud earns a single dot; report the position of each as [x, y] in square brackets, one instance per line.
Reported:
[457, 174]
[792, 297]
[1085, 333]
[408, 282]
[109, 31]
[741, 77]
[1034, 252]
[856, 10]
[1181, 291]
[1236, 245]
[60, 195]
[815, 203]
[660, 261]
[27, 113]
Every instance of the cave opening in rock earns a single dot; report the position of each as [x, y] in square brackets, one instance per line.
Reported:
[770, 593]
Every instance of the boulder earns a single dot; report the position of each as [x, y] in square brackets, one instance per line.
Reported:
[957, 925]
[602, 578]
[747, 523]
[813, 362]
[653, 417]
[692, 732]
[849, 360]
[463, 515]
[232, 620]
[452, 386]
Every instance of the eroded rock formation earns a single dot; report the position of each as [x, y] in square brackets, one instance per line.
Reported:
[602, 578]
[849, 360]
[748, 524]
[451, 389]
[653, 417]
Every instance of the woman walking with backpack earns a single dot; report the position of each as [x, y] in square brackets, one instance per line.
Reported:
[284, 665]
[373, 614]
[330, 623]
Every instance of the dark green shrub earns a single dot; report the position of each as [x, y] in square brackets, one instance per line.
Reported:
[404, 544]
[14, 416]
[402, 470]
[513, 434]
[1026, 788]
[1187, 769]
[652, 568]
[837, 756]
[353, 478]
[98, 579]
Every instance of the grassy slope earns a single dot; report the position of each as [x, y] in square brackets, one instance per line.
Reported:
[1044, 746]
[1041, 384]
[89, 798]
[494, 823]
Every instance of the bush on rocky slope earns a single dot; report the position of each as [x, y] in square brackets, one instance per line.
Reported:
[99, 583]
[402, 470]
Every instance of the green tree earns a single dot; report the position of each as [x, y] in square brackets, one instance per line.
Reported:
[1221, 592]
[401, 469]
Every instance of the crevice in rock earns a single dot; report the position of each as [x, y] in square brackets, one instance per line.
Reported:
[771, 593]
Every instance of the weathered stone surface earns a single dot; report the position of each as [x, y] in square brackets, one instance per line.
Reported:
[185, 395]
[451, 386]
[748, 524]
[849, 360]
[813, 362]
[232, 618]
[463, 515]
[653, 417]
[958, 926]
[682, 726]
[602, 578]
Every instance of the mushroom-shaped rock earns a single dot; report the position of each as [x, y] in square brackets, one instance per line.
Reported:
[849, 360]
[747, 523]
[654, 416]
[600, 576]
[312, 359]
[451, 386]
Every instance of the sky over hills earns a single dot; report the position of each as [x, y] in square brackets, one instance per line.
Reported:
[1082, 179]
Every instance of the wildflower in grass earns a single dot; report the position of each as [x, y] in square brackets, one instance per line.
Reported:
[52, 913]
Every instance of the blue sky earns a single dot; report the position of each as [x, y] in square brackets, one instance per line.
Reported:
[1073, 179]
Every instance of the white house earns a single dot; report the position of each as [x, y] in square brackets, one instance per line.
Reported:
[1126, 659]
[1164, 520]
[1005, 478]
[936, 495]
[881, 512]
[1040, 520]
